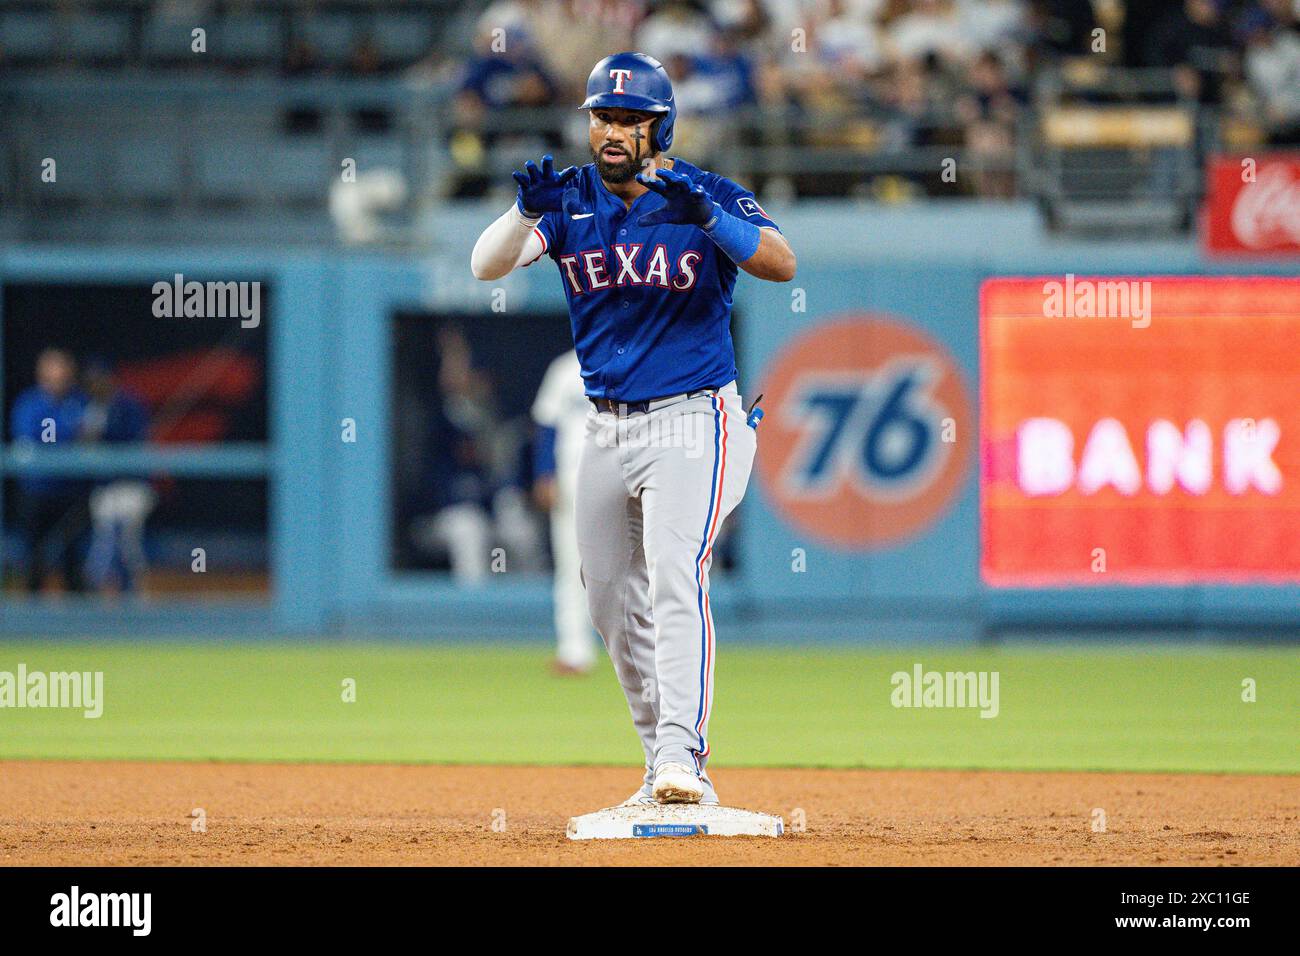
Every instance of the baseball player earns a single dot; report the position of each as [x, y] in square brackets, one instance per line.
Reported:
[648, 249]
[560, 412]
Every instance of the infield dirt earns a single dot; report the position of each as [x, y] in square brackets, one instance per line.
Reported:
[142, 814]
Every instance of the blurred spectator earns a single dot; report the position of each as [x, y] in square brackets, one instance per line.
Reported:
[990, 112]
[478, 492]
[503, 75]
[865, 75]
[718, 86]
[728, 73]
[747, 19]
[499, 81]
[1142, 20]
[993, 24]
[1285, 13]
[51, 509]
[119, 507]
[1272, 67]
[824, 77]
[1058, 28]
[849, 41]
[1196, 43]
[931, 28]
[606, 27]
[560, 412]
[908, 98]
[505, 70]
[675, 27]
[112, 413]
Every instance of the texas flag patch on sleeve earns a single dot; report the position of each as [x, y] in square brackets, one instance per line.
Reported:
[750, 207]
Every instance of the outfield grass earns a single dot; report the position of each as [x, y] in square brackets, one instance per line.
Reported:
[1073, 708]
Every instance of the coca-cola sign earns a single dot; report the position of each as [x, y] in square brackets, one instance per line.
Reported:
[1252, 205]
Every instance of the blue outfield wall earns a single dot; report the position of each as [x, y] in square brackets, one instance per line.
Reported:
[330, 355]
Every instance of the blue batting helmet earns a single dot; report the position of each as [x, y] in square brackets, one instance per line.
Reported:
[634, 81]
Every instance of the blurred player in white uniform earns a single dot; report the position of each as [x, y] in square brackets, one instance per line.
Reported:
[560, 411]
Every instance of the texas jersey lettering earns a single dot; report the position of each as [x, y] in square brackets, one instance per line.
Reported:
[650, 306]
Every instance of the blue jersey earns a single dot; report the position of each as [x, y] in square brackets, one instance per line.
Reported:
[27, 424]
[650, 305]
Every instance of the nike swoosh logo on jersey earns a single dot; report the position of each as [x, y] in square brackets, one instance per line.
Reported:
[582, 215]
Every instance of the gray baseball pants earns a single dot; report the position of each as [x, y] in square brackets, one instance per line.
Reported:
[653, 492]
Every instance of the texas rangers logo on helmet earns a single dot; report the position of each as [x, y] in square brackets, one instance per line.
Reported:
[634, 81]
[619, 77]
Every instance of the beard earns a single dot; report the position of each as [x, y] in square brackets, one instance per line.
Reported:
[620, 171]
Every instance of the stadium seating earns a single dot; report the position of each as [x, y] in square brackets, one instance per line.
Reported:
[298, 85]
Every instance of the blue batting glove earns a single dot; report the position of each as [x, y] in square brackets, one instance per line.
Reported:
[542, 190]
[685, 202]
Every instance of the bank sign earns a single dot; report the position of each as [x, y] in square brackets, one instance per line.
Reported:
[1160, 451]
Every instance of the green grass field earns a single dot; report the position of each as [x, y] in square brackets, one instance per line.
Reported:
[1069, 708]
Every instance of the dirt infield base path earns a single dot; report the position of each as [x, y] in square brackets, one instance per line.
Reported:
[55, 813]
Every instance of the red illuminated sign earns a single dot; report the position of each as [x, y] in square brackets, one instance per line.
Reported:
[1160, 445]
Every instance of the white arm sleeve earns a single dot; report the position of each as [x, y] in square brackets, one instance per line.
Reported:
[509, 243]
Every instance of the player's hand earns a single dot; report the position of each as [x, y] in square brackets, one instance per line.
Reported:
[685, 202]
[542, 190]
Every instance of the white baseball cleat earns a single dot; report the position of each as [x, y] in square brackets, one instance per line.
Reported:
[677, 783]
[643, 798]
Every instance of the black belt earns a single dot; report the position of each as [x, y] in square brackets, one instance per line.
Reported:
[615, 407]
